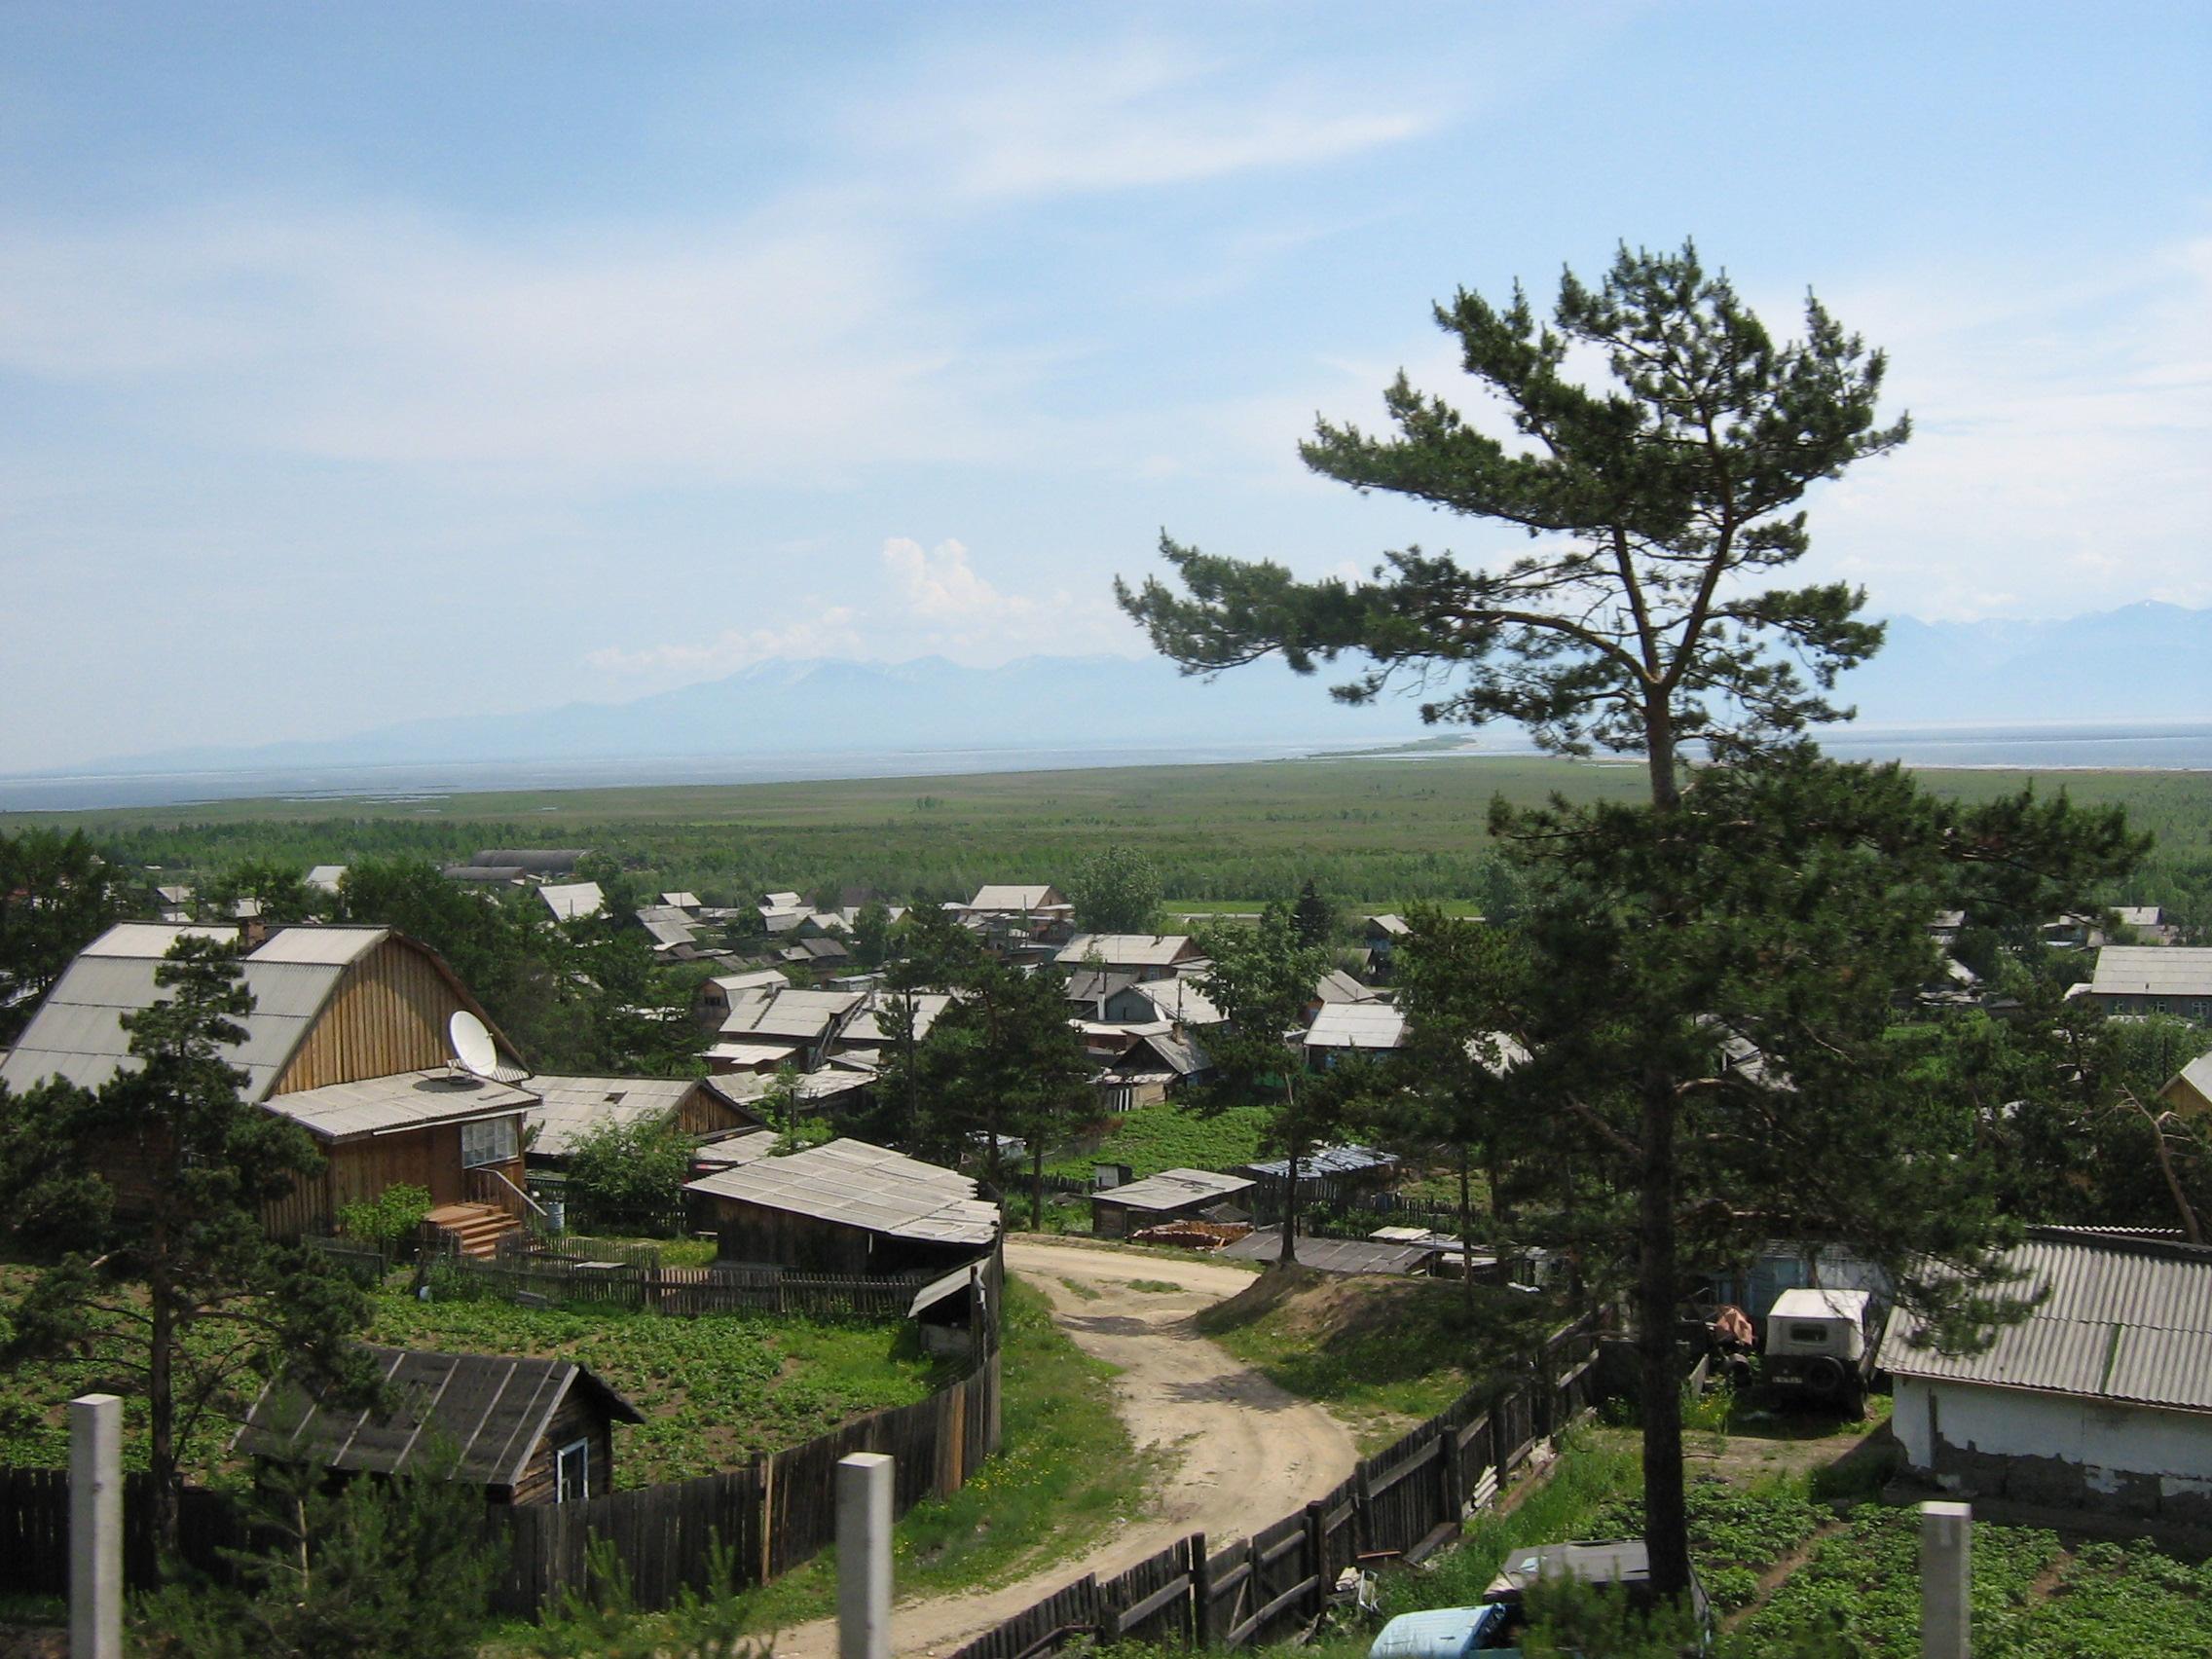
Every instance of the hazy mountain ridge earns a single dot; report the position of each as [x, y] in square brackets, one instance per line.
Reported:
[2146, 662]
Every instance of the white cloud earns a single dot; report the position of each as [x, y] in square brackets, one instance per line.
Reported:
[830, 634]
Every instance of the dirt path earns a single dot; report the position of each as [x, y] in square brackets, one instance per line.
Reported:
[1240, 1452]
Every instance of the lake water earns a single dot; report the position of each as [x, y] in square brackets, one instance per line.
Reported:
[2180, 747]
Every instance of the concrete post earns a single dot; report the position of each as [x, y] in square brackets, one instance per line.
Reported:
[95, 1527]
[1946, 1580]
[863, 1556]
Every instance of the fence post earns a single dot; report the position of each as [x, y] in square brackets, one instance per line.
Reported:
[863, 1556]
[1317, 1553]
[1946, 1580]
[1455, 1481]
[1202, 1591]
[95, 1527]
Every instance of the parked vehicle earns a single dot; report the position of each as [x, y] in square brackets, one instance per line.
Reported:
[1821, 1346]
[1493, 1627]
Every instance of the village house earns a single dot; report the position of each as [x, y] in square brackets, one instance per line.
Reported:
[1172, 1194]
[869, 1031]
[1344, 1028]
[1384, 932]
[1157, 1064]
[525, 1430]
[1092, 991]
[2190, 1089]
[324, 878]
[1149, 956]
[2100, 1399]
[347, 1038]
[784, 1025]
[711, 1002]
[574, 900]
[1325, 1170]
[2152, 978]
[821, 956]
[571, 1108]
[1178, 999]
[487, 875]
[847, 1208]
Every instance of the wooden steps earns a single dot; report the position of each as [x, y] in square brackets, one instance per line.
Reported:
[475, 1228]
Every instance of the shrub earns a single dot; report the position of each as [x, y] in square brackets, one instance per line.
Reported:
[390, 1221]
[629, 1177]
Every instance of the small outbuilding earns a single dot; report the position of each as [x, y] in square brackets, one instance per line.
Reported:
[1172, 1194]
[570, 1109]
[525, 1430]
[847, 1208]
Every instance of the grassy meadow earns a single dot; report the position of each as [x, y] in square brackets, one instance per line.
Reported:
[1367, 832]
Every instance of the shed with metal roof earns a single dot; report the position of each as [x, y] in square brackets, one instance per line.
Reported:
[525, 1430]
[847, 1208]
[2100, 1397]
[568, 1109]
[1172, 1194]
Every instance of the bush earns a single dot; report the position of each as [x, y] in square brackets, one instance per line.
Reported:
[391, 1221]
[629, 1177]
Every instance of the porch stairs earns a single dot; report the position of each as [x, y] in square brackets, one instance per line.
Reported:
[475, 1228]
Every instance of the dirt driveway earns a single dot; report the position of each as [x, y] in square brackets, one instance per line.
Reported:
[1240, 1452]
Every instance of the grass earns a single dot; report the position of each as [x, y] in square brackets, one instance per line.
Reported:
[714, 1391]
[1165, 1136]
[1382, 1353]
[1068, 1472]
[1155, 1287]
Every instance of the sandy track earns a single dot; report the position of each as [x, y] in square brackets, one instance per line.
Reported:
[1240, 1452]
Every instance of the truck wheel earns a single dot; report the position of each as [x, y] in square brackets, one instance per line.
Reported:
[1823, 1377]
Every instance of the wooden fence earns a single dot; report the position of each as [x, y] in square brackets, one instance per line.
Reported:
[767, 1518]
[1400, 1504]
[570, 1270]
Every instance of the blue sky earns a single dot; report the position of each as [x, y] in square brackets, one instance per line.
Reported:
[359, 363]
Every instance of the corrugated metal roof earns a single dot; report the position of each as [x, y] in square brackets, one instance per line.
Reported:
[327, 947]
[1391, 925]
[788, 1013]
[682, 900]
[2153, 970]
[573, 900]
[1011, 899]
[1172, 1189]
[405, 1100]
[152, 940]
[1179, 998]
[1339, 986]
[1126, 950]
[873, 1024]
[2124, 1319]
[752, 1053]
[491, 1409]
[1327, 1160]
[1356, 1025]
[324, 878]
[1334, 1255]
[858, 1185]
[570, 1108]
[733, 1149]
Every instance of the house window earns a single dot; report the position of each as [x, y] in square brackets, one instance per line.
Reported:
[572, 1470]
[492, 1141]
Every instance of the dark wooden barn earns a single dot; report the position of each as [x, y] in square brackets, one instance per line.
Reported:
[847, 1208]
[525, 1430]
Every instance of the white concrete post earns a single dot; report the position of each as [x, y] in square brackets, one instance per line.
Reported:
[96, 1527]
[863, 1556]
[1946, 1580]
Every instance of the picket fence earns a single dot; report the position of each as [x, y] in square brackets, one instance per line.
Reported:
[1398, 1506]
[753, 1524]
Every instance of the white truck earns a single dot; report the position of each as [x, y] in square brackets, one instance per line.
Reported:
[1819, 1346]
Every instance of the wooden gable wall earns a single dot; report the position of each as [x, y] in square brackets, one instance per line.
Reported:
[387, 1014]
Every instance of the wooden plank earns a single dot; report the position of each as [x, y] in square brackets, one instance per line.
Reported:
[1412, 1464]
[1243, 1632]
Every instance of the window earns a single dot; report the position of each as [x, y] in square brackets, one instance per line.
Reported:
[571, 1472]
[492, 1141]
[1812, 1336]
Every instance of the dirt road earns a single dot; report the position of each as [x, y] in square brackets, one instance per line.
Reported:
[1240, 1452]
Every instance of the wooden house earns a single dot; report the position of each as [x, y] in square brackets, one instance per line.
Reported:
[1172, 1194]
[347, 1038]
[2151, 978]
[847, 1208]
[1149, 956]
[568, 1109]
[525, 1430]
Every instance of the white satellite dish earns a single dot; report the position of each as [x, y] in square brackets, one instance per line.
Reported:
[473, 1050]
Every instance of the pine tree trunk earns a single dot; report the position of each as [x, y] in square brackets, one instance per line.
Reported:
[161, 1412]
[1289, 1253]
[1659, 752]
[1666, 1520]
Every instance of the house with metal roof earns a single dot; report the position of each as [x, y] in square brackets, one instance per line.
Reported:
[2101, 1398]
[1149, 956]
[1172, 1194]
[847, 1208]
[525, 1430]
[1013, 899]
[784, 1015]
[570, 1109]
[573, 900]
[2154, 979]
[1344, 1028]
[347, 1038]
[2190, 1089]
[1177, 998]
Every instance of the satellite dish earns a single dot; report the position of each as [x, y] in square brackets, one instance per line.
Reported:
[473, 1050]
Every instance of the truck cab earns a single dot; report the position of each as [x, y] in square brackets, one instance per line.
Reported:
[1820, 1348]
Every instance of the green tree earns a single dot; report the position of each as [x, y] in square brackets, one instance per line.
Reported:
[1661, 501]
[278, 891]
[56, 895]
[871, 935]
[1261, 978]
[172, 1285]
[1708, 1016]
[1115, 890]
[629, 1177]
[1313, 918]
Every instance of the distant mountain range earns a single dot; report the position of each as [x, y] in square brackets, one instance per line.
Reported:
[2146, 662]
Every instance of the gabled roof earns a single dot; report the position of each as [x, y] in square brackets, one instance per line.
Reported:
[1339, 986]
[680, 901]
[1096, 985]
[1389, 925]
[573, 900]
[324, 878]
[1357, 1025]
[855, 1183]
[1178, 998]
[1126, 950]
[1013, 900]
[1161, 1050]
[2127, 1319]
[570, 1108]
[789, 1013]
[78, 1035]
[2154, 970]
[492, 1410]
[873, 1024]
[755, 979]
[404, 1100]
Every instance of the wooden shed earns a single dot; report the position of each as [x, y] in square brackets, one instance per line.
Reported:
[847, 1208]
[525, 1430]
[568, 1109]
[1172, 1194]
